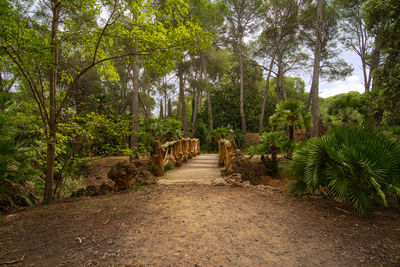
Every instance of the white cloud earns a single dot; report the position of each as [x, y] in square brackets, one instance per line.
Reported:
[353, 78]
[351, 83]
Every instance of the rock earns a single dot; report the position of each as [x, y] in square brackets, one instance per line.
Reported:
[146, 174]
[234, 179]
[246, 184]
[17, 195]
[237, 177]
[218, 182]
[79, 193]
[273, 188]
[123, 174]
[106, 186]
[145, 177]
[235, 184]
[92, 190]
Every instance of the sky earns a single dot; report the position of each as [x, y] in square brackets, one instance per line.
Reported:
[351, 83]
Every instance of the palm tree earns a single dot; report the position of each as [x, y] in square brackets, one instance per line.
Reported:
[288, 115]
[270, 144]
[357, 164]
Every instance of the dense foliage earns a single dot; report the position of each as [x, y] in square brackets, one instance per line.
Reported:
[16, 154]
[357, 164]
[86, 79]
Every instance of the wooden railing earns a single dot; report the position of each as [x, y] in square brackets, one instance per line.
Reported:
[176, 152]
[226, 149]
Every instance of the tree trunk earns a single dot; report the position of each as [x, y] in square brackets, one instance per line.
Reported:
[274, 160]
[291, 132]
[277, 89]
[194, 115]
[52, 124]
[178, 108]
[316, 71]
[146, 91]
[135, 104]
[280, 81]
[242, 114]
[266, 92]
[182, 99]
[375, 58]
[309, 99]
[209, 107]
[283, 86]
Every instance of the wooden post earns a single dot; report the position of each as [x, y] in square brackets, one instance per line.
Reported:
[226, 148]
[221, 152]
[178, 153]
[228, 157]
[157, 159]
[189, 144]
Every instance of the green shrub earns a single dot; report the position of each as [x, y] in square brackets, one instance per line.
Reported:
[270, 145]
[358, 164]
[16, 156]
[239, 137]
[289, 115]
[201, 132]
[222, 132]
[158, 129]
[169, 166]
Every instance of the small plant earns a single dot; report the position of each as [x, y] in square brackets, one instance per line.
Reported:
[168, 166]
[359, 164]
[270, 145]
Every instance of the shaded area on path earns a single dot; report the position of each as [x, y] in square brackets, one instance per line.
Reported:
[202, 169]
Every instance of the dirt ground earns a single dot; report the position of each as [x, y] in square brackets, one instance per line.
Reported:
[199, 225]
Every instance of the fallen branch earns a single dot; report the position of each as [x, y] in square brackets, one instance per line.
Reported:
[12, 262]
[345, 211]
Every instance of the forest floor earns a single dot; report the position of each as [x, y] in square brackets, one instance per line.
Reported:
[199, 225]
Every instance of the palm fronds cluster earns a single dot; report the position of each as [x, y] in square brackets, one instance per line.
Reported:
[270, 145]
[359, 164]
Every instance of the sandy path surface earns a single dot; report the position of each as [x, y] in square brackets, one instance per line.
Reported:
[199, 225]
[202, 169]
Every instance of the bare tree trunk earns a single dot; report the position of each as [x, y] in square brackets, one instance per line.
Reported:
[146, 86]
[283, 86]
[51, 142]
[182, 99]
[375, 58]
[280, 82]
[209, 108]
[242, 114]
[317, 59]
[178, 108]
[195, 111]
[277, 89]
[266, 92]
[135, 104]
[309, 99]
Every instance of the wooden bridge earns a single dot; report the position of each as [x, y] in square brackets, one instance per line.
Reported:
[190, 166]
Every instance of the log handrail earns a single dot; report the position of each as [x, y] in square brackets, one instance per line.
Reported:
[226, 149]
[176, 152]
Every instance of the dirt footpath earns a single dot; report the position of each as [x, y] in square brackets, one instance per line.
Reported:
[176, 225]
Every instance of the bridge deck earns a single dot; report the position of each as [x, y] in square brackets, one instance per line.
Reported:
[202, 169]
